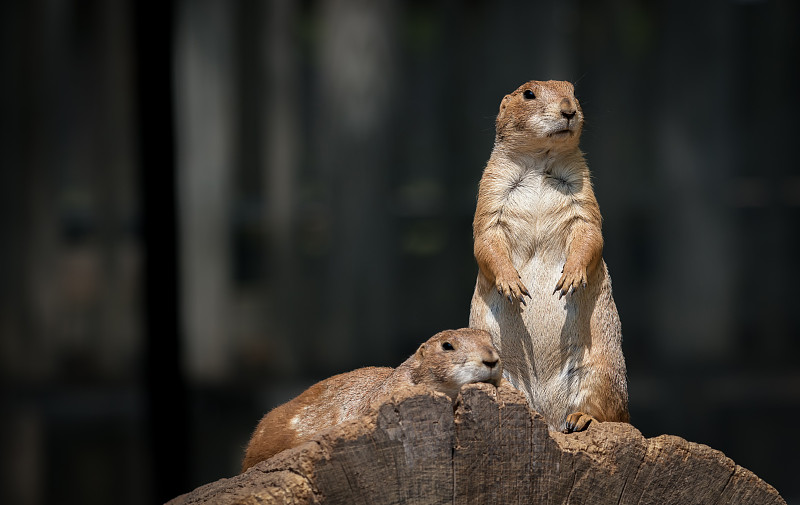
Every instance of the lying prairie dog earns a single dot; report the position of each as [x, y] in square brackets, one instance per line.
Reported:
[447, 361]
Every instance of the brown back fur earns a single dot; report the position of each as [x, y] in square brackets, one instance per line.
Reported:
[350, 395]
[543, 290]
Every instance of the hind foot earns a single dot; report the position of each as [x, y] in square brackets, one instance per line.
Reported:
[578, 421]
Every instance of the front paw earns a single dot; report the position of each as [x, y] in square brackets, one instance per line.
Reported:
[572, 278]
[510, 286]
[578, 421]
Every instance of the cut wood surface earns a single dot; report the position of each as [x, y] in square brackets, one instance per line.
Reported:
[489, 448]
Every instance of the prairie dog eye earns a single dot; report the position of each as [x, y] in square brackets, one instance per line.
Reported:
[447, 346]
[528, 94]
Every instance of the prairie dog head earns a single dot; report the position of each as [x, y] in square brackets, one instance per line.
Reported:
[453, 358]
[540, 115]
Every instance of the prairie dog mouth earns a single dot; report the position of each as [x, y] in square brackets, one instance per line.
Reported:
[566, 132]
[494, 381]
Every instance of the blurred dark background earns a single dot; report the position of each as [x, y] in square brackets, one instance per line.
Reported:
[208, 205]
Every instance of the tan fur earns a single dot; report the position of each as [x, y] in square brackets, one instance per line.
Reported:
[543, 289]
[346, 396]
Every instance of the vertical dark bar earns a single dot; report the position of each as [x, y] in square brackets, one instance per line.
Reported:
[167, 415]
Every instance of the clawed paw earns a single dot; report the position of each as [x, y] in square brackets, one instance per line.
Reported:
[512, 288]
[578, 421]
[571, 279]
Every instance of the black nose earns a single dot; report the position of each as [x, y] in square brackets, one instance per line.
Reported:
[568, 108]
[490, 364]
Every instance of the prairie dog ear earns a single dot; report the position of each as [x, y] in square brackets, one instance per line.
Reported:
[504, 103]
[501, 116]
[422, 349]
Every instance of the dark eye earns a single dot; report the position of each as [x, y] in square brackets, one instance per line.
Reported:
[447, 346]
[528, 94]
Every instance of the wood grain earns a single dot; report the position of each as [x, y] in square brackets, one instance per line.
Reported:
[487, 448]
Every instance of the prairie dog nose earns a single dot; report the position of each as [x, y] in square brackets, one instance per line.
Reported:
[492, 359]
[568, 108]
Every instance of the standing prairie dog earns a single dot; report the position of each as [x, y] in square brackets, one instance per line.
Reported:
[447, 361]
[543, 289]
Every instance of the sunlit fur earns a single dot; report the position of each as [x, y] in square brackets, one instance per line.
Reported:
[538, 240]
[350, 395]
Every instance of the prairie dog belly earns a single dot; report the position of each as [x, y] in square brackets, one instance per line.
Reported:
[543, 343]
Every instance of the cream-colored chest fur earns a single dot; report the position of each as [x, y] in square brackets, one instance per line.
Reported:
[537, 199]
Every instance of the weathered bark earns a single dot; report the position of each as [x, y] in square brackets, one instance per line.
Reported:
[490, 449]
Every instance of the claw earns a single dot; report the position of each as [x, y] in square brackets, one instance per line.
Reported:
[577, 421]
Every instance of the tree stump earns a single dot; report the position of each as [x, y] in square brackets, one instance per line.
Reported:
[487, 448]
